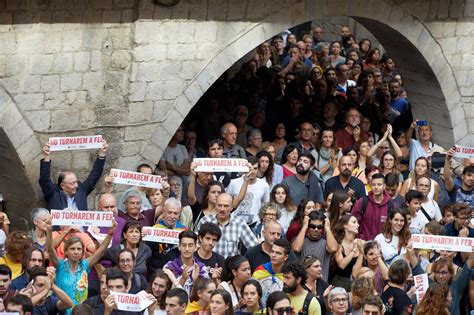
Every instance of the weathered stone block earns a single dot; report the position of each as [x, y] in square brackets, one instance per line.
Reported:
[465, 44]
[65, 119]
[146, 32]
[63, 63]
[50, 83]
[205, 32]
[140, 111]
[137, 91]
[137, 133]
[82, 60]
[76, 98]
[29, 101]
[181, 52]
[29, 42]
[198, 10]
[120, 37]
[464, 28]
[31, 83]
[72, 40]
[53, 43]
[39, 119]
[152, 153]
[155, 90]
[16, 64]
[150, 52]
[94, 37]
[148, 71]
[131, 148]
[167, 32]
[88, 117]
[71, 82]
[120, 59]
[173, 88]
[54, 100]
[93, 83]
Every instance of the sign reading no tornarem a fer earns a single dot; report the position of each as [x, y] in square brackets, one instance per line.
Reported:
[167, 236]
[82, 218]
[75, 143]
[464, 152]
[132, 302]
[220, 165]
[135, 179]
[438, 242]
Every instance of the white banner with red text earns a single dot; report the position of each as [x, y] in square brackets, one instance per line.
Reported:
[135, 179]
[220, 165]
[159, 235]
[438, 242]
[82, 218]
[132, 302]
[75, 143]
[464, 152]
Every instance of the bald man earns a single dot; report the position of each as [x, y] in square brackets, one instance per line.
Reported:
[107, 202]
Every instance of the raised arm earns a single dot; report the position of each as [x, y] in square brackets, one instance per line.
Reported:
[375, 146]
[243, 190]
[396, 149]
[297, 244]
[97, 169]
[359, 262]
[409, 133]
[47, 186]
[343, 261]
[192, 186]
[49, 246]
[95, 258]
[448, 176]
[331, 243]
[65, 301]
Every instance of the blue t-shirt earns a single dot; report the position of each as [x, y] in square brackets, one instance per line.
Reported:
[48, 308]
[460, 195]
[400, 104]
[74, 284]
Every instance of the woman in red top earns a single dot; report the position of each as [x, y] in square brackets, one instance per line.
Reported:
[305, 207]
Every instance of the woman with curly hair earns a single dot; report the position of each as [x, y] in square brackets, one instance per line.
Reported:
[436, 300]
[341, 203]
[395, 235]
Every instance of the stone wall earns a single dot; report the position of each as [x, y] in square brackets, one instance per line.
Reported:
[132, 70]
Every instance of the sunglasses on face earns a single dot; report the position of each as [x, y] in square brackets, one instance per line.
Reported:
[284, 310]
[316, 227]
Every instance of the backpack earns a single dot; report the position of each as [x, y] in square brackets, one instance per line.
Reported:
[365, 202]
[306, 303]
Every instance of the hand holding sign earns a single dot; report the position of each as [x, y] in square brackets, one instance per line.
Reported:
[46, 152]
[103, 149]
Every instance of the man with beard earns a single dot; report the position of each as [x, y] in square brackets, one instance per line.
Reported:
[372, 211]
[304, 184]
[294, 278]
[345, 180]
[310, 240]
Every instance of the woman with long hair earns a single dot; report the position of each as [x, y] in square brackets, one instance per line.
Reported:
[373, 260]
[132, 240]
[280, 196]
[435, 301]
[252, 293]
[389, 164]
[159, 285]
[221, 303]
[277, 176]
[326, 154]
[341, 204]
[207, 205]
[365, 45]
[200, 297]
[335, 50]
[265, 167]
[422, 168]
[442, 272]
[395, 235]
[305, 207]
[235, 272]
[400, 137]
[315, 282]
[289, 159]
[372, 60]
[345, 232]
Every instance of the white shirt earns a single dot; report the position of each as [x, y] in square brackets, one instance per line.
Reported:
[418, 222]
[389, 249]
[432, 208]
[257, 194]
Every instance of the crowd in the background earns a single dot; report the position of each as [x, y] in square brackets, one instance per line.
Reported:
[340, 177]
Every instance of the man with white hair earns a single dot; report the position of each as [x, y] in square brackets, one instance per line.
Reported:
[163, 252]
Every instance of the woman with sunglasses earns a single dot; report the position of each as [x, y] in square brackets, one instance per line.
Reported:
[278, 303]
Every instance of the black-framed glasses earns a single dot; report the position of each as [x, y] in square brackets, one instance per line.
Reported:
[284, 310]
[316, 227]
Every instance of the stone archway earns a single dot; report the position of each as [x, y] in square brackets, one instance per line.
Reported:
[19, 151]
[431, 83]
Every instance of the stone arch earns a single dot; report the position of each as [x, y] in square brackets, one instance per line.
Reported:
[19, 153]
[431, 83]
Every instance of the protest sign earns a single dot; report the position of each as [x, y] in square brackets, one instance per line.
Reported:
[132, 302]
[94, 231]
[135, 179]
[221, 165]
[464, 152]
[158, 235]
[82, 218]
[421, 285]
[9, 313]
[75, 143]
[437, 242]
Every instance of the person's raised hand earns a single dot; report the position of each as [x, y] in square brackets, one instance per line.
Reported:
[195, 274]
[450, 153]
[109, 303]
[108, 181]
[192, 168]
[216, 274]
[112, 228]
[413, 124]
[389, 129]
[464, 232]
[103, 149]
[305, 221]
[51, 271]
[46, 152]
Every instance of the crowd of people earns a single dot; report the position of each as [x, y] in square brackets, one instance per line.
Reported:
[340, 176]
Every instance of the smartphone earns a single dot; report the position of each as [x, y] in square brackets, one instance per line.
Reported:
[422, 123]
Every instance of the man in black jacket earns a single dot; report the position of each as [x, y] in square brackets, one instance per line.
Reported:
[69, 192]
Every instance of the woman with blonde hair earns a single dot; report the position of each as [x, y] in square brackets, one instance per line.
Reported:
[422, 168]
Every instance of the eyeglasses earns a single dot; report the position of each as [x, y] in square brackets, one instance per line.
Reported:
[341, 300]
[270, 214]
[284, 310]
[125, 261]
[442, 273]
[316, 227]
[464, 219]
[384, 148]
